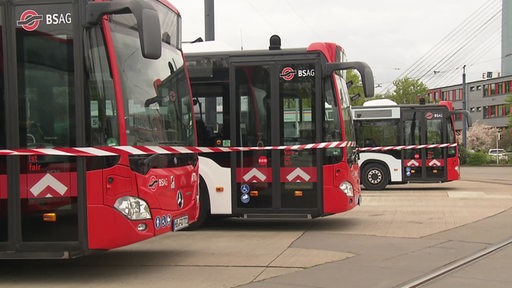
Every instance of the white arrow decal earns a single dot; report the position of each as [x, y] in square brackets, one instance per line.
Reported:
[434, 163]
[413, 163]
[254, 173]
[48, 180]
[298, 172]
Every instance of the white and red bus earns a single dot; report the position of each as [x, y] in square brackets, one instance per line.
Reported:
[270, 98]
[77, 75]
[406, 143]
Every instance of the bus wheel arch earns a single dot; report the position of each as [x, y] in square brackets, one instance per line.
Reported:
[204, 205]
[375, 175]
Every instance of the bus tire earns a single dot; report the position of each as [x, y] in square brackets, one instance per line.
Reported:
[204, 206]
[374, 176]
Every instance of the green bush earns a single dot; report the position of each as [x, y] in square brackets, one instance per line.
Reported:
[477, 158]
[492, 160]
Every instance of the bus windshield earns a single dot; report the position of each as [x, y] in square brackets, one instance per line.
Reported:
[157, 99]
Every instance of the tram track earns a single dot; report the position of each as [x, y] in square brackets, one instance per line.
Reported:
[454, 266]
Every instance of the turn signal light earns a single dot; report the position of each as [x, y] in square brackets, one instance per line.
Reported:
[254, 193]
[297, 193]
[219, 189]
[49, 217]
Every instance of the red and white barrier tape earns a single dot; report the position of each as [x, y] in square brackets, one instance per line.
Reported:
[405, 147]
[142, 150]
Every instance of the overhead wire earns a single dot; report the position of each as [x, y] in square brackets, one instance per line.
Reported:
[457, 39]
[472, 60]
[469, 56]
[467, 48]
[450, 42]
[446, 43]
[462, 46]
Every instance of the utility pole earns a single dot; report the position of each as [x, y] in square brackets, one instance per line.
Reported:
[498, 154]
[464, 106]
[209, 35]
[209, 20]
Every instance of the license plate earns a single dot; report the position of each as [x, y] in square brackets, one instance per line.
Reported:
[180, 223]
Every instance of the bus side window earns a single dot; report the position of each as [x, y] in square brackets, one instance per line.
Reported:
[202, 133]
[306, 132]
[369, 142]
[2, 105]
[102, 104]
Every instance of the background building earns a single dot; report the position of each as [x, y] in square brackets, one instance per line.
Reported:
[486, 99]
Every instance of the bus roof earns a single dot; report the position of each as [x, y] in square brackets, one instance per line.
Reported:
[208, 46]
[218, 48]
[384, 102]
[380, 102]
[330, 50]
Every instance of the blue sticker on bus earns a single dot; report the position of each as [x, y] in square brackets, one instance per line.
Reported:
[244, 188]
[157, 222]
[164, 221]
[245, 198]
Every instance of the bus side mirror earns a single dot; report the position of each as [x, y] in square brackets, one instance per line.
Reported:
[353, 157]
[364, 70]
[145, 15]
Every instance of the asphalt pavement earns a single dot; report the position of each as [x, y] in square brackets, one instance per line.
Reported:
[394, 257]
[396, 236]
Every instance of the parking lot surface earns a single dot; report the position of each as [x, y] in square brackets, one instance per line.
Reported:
[394, 237]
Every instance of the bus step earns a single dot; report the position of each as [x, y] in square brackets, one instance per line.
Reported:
[276, 216]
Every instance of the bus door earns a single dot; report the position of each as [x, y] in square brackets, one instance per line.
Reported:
[424, 127]
[274, 104]
[38, 193]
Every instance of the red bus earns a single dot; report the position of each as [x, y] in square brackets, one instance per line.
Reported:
[89, 74]
[406, 143]
[276, 97]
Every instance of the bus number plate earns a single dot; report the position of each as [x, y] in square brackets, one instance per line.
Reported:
[180, 223]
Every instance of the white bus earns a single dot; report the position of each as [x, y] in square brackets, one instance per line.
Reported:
[406, 143]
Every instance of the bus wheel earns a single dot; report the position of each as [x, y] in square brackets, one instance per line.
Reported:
[374, 176]
[204, 206]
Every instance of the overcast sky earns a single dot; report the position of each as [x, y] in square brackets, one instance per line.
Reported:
[389, 35]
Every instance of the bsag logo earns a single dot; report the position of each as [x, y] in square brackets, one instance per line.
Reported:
[30, 19]
[158, 182]
[153, 183]
[287, 74]
[430, 115]
[306, 73]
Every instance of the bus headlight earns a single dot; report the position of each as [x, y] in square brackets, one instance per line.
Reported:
[133, 208]
[347, 188]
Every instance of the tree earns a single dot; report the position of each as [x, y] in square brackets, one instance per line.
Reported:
[506, 139]
[481, 137]
[356, 88]
[508, 100]
[408, 91]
